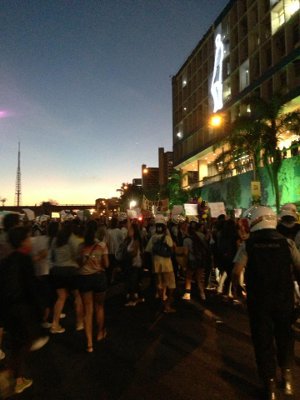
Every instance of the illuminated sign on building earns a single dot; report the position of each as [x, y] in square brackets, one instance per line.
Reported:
[217, 79]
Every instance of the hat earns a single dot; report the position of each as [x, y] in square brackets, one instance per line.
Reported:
[262, 217]
[289, 210]
[160, 219]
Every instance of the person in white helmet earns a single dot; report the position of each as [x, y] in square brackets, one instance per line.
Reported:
[288, 224]
[267, 257]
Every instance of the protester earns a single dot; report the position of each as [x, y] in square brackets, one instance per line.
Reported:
[160, 245]
[134, 269]
[267, 257]
[114, 238]
[64, 254]
[92, 282]
[9, 221]
[19, 306]
[198, 253]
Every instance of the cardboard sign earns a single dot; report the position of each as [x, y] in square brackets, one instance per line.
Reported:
[29, 213]
[216, 209]
[191, 209]
[255, 189]
[132, 214]
[177, 210]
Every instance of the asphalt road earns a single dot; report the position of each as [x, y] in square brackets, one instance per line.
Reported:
[202, 352]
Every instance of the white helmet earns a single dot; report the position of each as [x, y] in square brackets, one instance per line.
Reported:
[160, 219]
[289, 210]
[262, 217]
[193, 218]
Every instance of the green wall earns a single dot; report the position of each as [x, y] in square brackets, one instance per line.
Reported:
[235, 192]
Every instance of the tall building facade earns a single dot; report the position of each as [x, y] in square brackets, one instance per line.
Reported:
[252, 48]
[150, 178]
[165, 165]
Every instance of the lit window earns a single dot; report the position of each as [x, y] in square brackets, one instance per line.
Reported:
[281, 18]
[291, 7]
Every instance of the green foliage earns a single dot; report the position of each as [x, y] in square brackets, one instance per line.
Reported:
[177, 195]
[257, 135]
[233, 192]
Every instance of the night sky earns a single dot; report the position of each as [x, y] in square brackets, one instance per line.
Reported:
[85, 86]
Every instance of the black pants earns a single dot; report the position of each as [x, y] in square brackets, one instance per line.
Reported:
[272, 337]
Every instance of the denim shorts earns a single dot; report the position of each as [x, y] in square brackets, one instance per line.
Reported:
[96, 283]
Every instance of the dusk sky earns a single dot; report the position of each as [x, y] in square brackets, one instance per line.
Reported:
[85, 86]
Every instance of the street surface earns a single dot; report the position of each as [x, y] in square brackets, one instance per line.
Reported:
[202, 352]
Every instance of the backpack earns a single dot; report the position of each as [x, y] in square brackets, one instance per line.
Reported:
[160, 248]
[122, 253]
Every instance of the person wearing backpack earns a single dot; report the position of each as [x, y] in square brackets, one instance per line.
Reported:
[160, 246]
[198, 254]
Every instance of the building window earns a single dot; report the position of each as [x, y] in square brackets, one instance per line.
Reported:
[277, 17]
[291, 7]
[244, 75]
[297, 68]
[296, 34]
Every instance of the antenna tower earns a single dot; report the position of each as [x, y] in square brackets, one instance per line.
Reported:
[18, 180]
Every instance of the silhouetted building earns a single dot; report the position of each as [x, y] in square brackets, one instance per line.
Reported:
[150, 178]
[165, 165]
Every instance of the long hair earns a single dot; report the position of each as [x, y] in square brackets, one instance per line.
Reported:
[90, 233]
[64, 234]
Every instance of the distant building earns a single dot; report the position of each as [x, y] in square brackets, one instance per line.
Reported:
[137, 181]
[165, 165]
[108, 207]
[150, 178]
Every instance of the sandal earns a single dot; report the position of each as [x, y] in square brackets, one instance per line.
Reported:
[90, 349]
[102, 336]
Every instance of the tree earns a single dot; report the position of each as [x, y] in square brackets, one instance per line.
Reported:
[130, 192]
[177, 195]
[257, 136]
[274, 123]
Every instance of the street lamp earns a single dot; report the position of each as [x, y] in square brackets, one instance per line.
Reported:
[216, 120]
[132, 204]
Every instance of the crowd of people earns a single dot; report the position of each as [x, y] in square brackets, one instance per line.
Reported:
[45, 262]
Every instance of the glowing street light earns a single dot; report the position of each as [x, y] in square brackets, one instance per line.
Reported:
[132, 204]
[216, 120]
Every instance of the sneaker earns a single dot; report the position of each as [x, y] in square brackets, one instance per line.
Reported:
[20, 387]
[186, 296]
[58, 329]
[2, 355]
[39, 343]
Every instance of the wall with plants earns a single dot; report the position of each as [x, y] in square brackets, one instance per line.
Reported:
[235, 192]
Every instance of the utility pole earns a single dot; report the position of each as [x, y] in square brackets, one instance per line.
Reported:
[18, 180]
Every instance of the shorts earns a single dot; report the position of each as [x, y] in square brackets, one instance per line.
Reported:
[96, 283]
[64, 277]
[166, 279]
